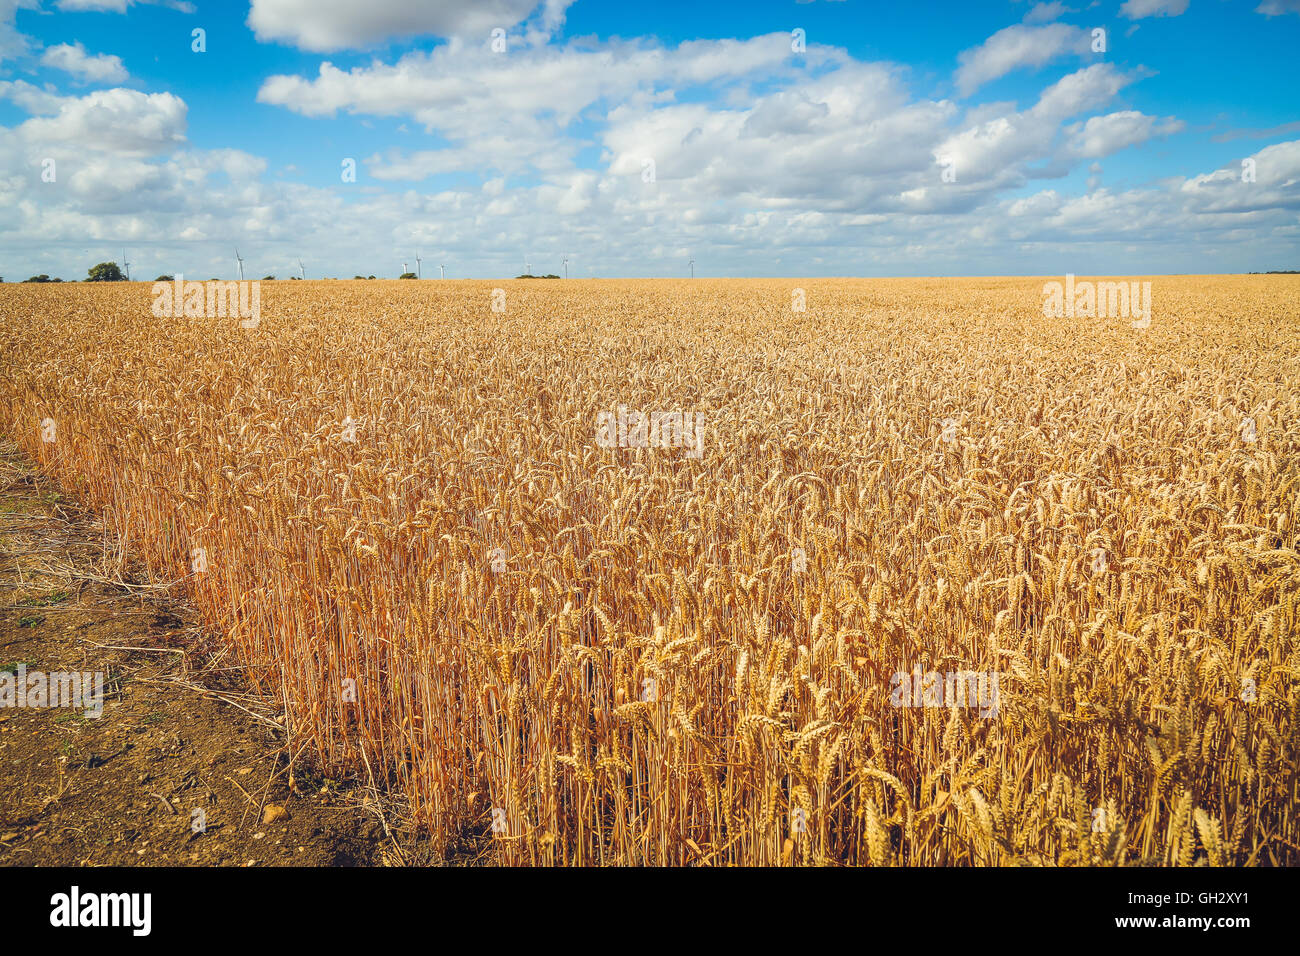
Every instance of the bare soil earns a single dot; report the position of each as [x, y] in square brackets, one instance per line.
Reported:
[184, 767]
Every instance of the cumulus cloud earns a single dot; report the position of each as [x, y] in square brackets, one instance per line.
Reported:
[119, 121]
[848, 141]
[822, 162]
[844, 139]
[119, 6]
[507, 112]
[997, 152]
[1046, 12]
[432, 86]
[1017, 47]
[13, 43]
[613, 229]
[73, 58]
[1101, 136]
[1140, 9]
[1276, 183]
[1278, 8]
[324, 26]
[1088, 89]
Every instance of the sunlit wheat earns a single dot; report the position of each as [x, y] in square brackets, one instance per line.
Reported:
[622, 655]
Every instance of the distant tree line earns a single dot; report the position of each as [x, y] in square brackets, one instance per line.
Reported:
[111, 272]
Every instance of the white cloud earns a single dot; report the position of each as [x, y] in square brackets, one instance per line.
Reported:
[1094, 178]
[1277, 182]
[13, 43]
[847, 139]
[1046, 12]
[1139, 9]
[120, 121]
[1102, 136]
[329, 25]
[1089, 89]
[996, 151]
[573, 194]
[431, 87]
[73, 58]
[119, 6]
[612, 230]
[1278, 8]
[509, 112]
[1016, 47]
[819, 163]
[105, 6]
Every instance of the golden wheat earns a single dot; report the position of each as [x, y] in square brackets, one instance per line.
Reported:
[618, 655]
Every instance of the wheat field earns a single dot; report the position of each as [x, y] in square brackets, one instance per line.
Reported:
[396, 501]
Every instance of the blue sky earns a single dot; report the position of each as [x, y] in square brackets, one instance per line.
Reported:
[900, 139]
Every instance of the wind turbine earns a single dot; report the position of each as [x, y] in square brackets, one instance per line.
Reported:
[241, 265]
[442, 271]
[692, 267]
[566, 267]
[302, 273]
[418, 274]
[126, 266]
